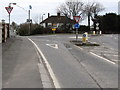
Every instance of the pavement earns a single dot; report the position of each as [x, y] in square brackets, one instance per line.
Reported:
[19, 64]
[0, 65]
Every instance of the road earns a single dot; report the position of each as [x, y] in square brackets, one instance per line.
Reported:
[78, 67]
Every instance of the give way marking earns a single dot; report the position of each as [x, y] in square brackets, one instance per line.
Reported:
[53, 45]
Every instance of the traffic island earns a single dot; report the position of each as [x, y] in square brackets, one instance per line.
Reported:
[80, 43]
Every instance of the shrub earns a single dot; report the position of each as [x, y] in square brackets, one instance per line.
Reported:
[23, 30]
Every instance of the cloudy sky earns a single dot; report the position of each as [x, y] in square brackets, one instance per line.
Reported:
[19, 13]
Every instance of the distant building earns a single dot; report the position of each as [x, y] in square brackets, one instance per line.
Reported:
[119, 7]
[56, 21]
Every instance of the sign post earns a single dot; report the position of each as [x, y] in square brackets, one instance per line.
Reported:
[84, 38]
[77, 19]
[9, 9]
[53, 29]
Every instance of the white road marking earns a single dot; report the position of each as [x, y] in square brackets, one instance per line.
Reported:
[75, 37]
[53, 45]
[116, 38]
[111, 55]
[55, 81]
[116, 60]
[44, 77]
[101, 57]
[48, 40]
[78, 47]
[107, 51]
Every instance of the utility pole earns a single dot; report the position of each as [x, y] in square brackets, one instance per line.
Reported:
[29, 22]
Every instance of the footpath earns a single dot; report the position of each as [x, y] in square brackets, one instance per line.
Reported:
[19, 64]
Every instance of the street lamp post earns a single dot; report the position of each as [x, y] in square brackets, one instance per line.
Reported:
[29, 20]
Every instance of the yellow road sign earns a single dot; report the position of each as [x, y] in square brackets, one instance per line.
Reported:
[53, 29]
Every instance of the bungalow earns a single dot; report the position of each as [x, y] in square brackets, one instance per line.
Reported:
[57, 21]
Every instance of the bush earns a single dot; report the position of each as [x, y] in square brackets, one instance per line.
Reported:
[82, 29]
[36, 29]
[23, 30]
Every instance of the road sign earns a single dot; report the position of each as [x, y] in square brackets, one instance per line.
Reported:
[53, 45]
[84, 35]
[76, 18]
[29, 20]
[9, 9]
[76, 25]
[53, 29]
[84, 38]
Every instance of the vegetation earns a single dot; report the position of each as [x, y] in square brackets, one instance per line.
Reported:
[23, 29]
[78, 8]
[109, 23]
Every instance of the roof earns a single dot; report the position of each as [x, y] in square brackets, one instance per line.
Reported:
[58, 19]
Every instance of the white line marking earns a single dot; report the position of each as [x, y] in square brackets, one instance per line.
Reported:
[53, 45]
[116, 60]
[111, 55]
[55, 81]
[48, 40]
[44, 77]
[102, 57]
[78, 47]
[75, 37]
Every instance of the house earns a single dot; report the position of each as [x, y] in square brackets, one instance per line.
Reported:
[57, 21]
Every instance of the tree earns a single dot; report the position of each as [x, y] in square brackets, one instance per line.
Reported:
[71, 8]
[14, 25]
[92, 10]
[23, 29]
[109, 23]
[37, 19]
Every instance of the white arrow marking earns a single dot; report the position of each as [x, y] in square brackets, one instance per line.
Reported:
[53, 45]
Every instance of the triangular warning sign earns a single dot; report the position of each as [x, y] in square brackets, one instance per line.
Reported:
[9, 9]
[77, 18]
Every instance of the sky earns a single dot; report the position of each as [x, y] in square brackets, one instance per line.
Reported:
[41, 8]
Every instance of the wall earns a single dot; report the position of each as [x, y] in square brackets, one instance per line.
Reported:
[0, 32]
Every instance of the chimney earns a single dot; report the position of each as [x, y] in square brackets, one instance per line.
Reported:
[58, 14]
[48, 15]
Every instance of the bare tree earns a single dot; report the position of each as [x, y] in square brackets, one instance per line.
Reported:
[14, 25]
[92, 9]
[37, 19]
[71, 8]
